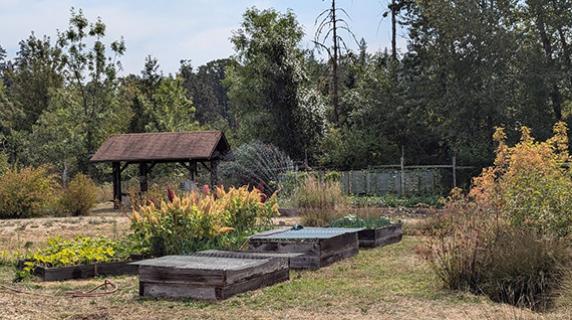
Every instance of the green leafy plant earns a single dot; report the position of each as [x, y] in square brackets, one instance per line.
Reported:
[60, 252]
[80, 196]
[354, 221]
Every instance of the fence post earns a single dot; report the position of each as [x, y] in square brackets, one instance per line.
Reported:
[454, 171]
[402, 175]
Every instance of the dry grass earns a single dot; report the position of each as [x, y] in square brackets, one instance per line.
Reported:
[384, 283]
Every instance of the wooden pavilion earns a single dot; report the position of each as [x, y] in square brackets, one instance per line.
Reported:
[149, 149]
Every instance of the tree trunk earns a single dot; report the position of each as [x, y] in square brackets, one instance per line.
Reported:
[393, 30]
[335, 98]
[555, 94]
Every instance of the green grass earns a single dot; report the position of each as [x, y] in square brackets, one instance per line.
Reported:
[392, 280]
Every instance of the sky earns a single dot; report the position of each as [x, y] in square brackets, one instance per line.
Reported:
[174, 30]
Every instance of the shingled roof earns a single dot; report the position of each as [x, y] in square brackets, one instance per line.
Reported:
[166, 146]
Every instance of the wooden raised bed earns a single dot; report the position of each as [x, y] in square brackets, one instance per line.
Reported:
[207, 278]
[319, 246]
[382, 236]
[85, 271]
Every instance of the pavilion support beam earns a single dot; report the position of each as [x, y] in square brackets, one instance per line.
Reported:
[193, 170]
[214, 173]
[143, 171]
[117, 194]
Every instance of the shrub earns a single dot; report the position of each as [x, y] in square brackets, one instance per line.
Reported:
[530, 183]
[80, 196]
[474, 248]
[198, 221]
[26, 192]
[4, 164]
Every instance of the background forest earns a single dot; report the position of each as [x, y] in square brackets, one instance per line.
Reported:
[469, 67]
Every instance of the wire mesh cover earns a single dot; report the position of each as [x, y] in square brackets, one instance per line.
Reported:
[305, 233]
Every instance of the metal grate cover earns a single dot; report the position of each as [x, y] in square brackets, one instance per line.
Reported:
[305, 233]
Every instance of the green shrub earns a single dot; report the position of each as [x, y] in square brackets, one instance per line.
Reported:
[319, 202]
[27, 192]
[199, 221]
[80, 196]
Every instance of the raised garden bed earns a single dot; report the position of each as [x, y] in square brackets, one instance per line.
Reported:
[85, 271]
[382, 236]
[319, 246]
[376, 231]
[206, 277]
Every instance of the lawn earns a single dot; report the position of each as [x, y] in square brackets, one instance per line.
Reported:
[384, 283]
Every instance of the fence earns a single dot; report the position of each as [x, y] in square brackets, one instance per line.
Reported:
[404, 180]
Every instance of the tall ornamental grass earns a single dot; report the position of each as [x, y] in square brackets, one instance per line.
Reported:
[320, 202]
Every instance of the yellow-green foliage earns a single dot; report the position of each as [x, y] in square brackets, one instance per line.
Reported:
[530, 183]
[26, 192]
[80, 196]
[198, 221]
[319, 202]
[80, 250]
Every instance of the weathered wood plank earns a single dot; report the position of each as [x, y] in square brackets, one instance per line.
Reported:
[85, 271]
[320, 249]
[167, 290]
[370, 238]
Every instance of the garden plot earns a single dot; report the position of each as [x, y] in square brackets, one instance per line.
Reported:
[319, 246]
[208, 277]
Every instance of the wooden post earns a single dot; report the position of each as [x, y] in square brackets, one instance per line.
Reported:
[143, 185]
[402, 175]
[117, 195]
[214, 173]
[454, 165]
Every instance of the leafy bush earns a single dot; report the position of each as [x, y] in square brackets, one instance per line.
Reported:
[26, 192]
[197, 221]
[80, 196]
[319, 202]
[530, 183]
[353, 221]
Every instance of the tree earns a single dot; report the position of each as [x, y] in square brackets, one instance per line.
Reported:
[267, 86]
[330, 25]
[34, 74]
[92, 72]
[172, 110]
[209, 94]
